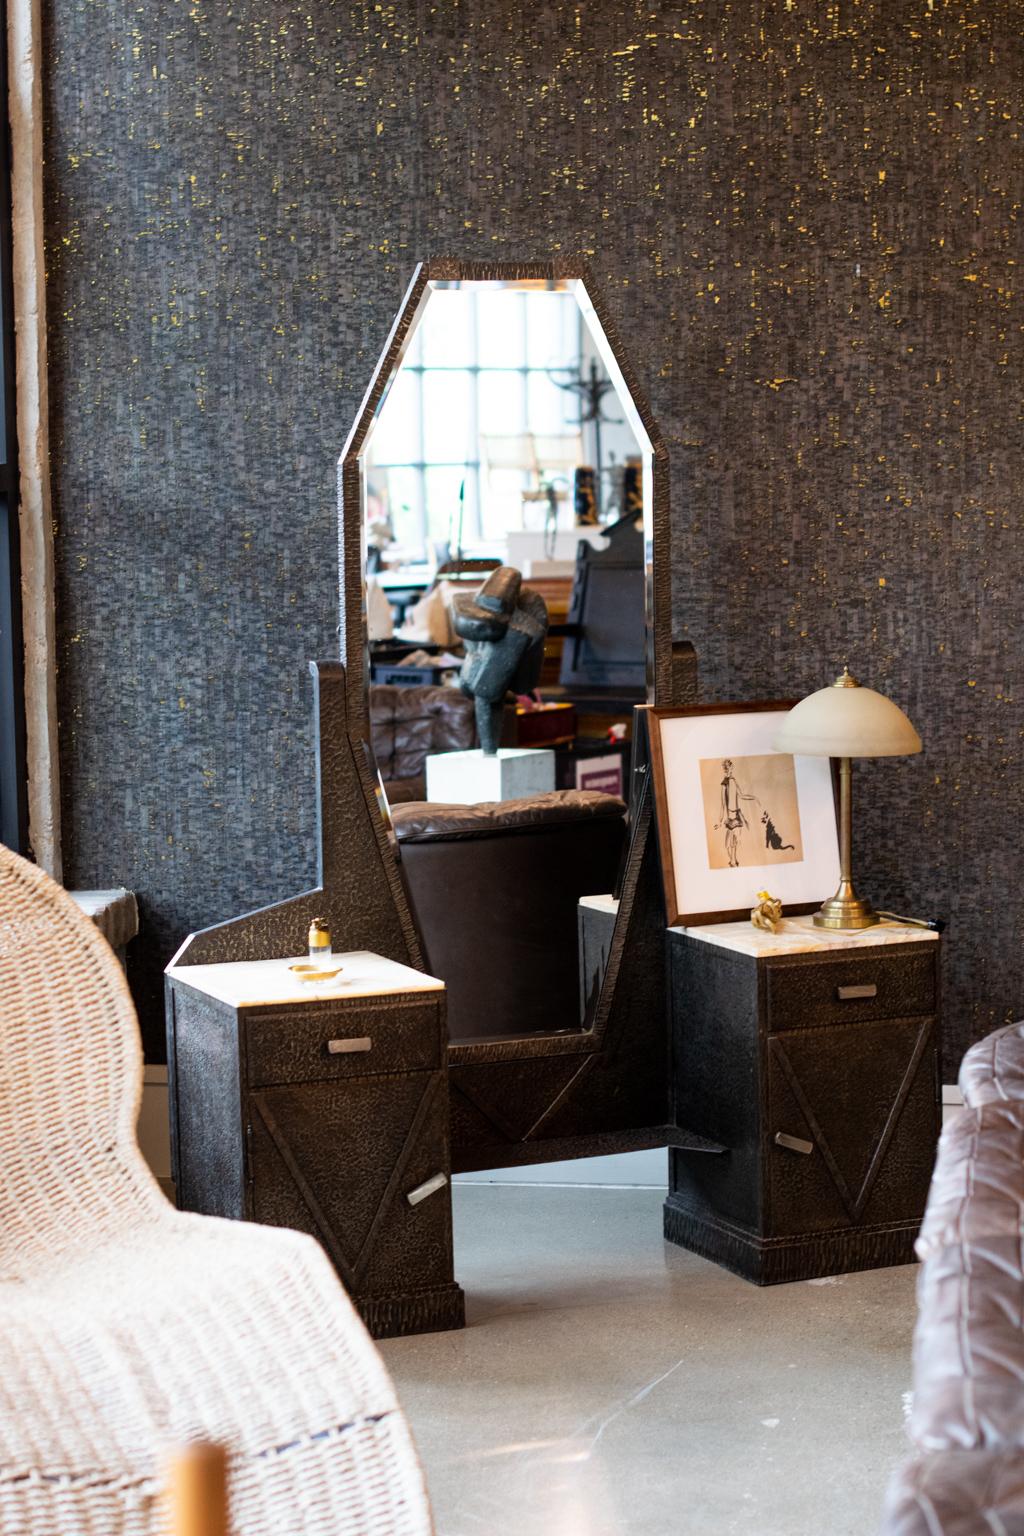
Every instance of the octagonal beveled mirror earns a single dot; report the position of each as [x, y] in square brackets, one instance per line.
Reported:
[591, 1078]
[598, 350]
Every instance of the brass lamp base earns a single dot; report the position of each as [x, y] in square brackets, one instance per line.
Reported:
[845, 910]
[845, 914]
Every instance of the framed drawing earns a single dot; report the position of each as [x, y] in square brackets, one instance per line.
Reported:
[736, 817]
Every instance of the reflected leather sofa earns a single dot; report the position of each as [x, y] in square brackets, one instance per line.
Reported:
[494, 891]
[408, 724]
[967, 1421]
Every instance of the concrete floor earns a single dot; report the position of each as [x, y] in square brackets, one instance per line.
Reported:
[608, 1383]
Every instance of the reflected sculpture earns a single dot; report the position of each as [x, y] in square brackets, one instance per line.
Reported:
[504, 628]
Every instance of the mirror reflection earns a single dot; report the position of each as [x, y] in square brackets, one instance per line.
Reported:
[499, 437]
[505, 442]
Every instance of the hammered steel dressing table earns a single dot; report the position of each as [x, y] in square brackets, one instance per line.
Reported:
[323, 1108]
[813, 1057]
[595, 1082]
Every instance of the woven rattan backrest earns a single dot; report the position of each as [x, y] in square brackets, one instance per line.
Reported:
[70, 1073]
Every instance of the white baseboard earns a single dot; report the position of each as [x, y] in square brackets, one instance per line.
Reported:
[154, 1124]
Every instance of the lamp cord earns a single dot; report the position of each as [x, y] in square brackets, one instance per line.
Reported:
[935, 924]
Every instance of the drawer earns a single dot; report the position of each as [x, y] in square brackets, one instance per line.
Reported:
[841, 989]
[325, 1042]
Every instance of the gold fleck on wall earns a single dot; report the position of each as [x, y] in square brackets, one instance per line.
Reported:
[806, 220]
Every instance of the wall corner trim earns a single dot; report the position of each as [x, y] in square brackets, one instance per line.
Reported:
[25, 111]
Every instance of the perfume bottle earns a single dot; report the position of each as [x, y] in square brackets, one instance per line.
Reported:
[319, 940]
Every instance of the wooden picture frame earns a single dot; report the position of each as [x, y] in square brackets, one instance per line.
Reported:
[707, 866]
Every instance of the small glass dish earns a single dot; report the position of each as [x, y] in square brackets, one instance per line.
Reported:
[315, 973]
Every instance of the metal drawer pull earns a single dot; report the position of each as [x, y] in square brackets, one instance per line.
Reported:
[794, 1143]
[431, 1187]
[865, 989]
[344, 1047]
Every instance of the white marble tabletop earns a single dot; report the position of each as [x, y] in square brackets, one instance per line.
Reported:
[266, 983]
[799, 936]
[600, 903]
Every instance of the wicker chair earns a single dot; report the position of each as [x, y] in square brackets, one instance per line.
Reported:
[127, 1327]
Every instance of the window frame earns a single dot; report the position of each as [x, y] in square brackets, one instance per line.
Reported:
[474, 538]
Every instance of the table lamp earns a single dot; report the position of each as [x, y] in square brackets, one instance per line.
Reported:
[846, 721]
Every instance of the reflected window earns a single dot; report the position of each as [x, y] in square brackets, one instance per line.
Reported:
[473, 418]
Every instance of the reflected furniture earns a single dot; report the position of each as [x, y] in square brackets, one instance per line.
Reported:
[603, 656]
[594, 762]
[494, 890]
[403, 587]
[813, 1060]
[595, 924]
[392, 666]
[115, 913]
[322, 1107]
[126, 1326]
[966, 1476]
[471, 566]
[407, 725]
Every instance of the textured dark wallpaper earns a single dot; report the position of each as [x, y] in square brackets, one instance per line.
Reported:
[805, 217]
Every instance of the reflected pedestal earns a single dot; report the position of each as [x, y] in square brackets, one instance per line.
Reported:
[469, 778]
[595, 916]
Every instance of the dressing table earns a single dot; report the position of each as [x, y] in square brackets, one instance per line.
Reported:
[273, 1123]
[812, 1058]
[322, 1107]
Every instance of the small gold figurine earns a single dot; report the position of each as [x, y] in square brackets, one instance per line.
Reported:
[768, 912]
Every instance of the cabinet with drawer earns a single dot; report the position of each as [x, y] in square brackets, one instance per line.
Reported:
[811, 1061]
[324, 1111]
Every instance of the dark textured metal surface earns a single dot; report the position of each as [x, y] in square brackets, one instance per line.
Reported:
[780, 1261]
[512, 1100]
[804, 218]
[860, 1095]
[594, 928]
[804, 990]
[860, 1098]
[434, 1310]
[337, 1160]
[206, 1106]
[360, 894]
[269, 1129]
[716, 1080]
[285, 1047]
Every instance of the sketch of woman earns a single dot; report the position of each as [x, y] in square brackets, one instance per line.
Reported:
[732, 816]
